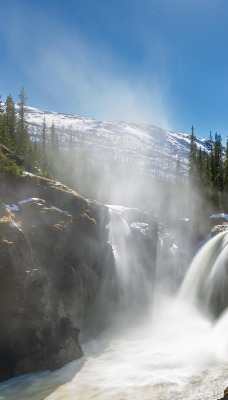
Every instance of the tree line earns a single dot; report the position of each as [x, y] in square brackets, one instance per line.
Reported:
[36, 154]
[42, 153]
[208, 170]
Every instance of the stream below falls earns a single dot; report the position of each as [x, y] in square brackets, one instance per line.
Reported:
[173, 352]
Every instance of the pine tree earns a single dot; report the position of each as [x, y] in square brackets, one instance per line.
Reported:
[218, 167]
[54, 141]
[192, 158]
[36, 152]
[210, 169]
[225, 169]
[200, 167]
[5, 130]
[23, 140]
[10, 117]
[225, 177]
[44, 146]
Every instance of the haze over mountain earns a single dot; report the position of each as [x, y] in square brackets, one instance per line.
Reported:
[146, 148]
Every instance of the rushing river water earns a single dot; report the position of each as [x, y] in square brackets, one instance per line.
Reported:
[174, 353]
[171, 352]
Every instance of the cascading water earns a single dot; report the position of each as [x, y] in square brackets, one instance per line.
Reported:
[134, 282]
[119, 232]
[207, 279]
[175, 352]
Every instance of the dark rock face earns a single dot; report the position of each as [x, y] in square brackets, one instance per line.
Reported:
[34, 335]
[55, 270]
[188, 232]
[57, 273]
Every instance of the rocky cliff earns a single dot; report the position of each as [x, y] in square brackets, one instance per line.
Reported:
[56, 268]
[57, 272]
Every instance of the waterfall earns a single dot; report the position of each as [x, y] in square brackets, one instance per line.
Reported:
[206, 282]
[134, 260]
[174, 352]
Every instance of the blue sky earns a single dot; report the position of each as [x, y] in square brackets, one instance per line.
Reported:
[163, 62]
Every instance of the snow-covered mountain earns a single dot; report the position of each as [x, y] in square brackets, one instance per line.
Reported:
[146, 148]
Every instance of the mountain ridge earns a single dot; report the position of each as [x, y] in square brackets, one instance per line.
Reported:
[148, 148]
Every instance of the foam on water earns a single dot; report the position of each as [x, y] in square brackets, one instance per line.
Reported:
[172, 352]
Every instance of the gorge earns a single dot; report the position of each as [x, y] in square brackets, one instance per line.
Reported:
[69, 264]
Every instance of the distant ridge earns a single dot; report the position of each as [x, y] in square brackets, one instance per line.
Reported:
[147, 148]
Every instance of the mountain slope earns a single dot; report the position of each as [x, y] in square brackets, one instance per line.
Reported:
[146, 148]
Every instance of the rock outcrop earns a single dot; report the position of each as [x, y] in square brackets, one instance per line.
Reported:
[56, 268]
[57, 272]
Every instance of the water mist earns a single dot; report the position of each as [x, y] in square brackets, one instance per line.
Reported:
[175, 351]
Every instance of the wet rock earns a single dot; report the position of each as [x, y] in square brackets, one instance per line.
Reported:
[56, 268]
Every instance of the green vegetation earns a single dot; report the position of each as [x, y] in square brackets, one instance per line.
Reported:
[208, 172]
[8, 166]
[17, 150]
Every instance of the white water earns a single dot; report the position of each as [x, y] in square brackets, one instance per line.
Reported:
[174, 352]
[134, 286]
[208, 274]
[174, 355]
[204, 265]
